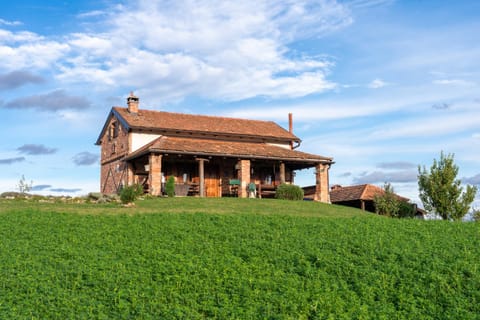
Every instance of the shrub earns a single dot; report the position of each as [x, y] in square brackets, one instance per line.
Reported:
[387, 204]
[289, 192]
[130, 193]
[406, 210]
[170, 187]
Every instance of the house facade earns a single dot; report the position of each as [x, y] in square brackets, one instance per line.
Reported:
[208, 156]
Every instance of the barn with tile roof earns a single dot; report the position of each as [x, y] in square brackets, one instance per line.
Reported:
[207, 155]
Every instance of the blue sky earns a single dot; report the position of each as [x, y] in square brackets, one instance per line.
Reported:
[382, 86]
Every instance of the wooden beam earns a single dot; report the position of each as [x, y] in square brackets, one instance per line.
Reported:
[282, 172]
[201, 173]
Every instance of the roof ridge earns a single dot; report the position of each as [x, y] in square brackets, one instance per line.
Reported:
[202, 115]
[364, 191]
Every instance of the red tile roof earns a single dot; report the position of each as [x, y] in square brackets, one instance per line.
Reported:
[360, 192]
[209, 147]
[180, 122]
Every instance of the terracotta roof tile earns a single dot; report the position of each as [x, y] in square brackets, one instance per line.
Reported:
[360, 192]
[180, 122]
[349, 193]
[225, 148]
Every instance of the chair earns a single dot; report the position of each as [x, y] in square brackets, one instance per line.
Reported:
[252, 190]
[233, 187]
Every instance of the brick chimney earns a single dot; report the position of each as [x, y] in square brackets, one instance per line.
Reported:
[132, 103]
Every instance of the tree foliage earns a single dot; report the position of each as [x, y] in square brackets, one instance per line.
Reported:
[476, 215]
[441, 192]
[387, 204]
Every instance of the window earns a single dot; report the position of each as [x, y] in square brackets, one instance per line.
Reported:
[116, 128]
[113, 131]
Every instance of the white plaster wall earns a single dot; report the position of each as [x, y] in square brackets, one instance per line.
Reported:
[285, 146]
[141, 139]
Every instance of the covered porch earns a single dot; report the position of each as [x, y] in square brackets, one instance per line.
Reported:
[210, 176]
[215, 168]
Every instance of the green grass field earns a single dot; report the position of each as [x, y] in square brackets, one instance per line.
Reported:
[192, 258]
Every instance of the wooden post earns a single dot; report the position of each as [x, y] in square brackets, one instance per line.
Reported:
[154, 174]
[201, 173]
[282, 172]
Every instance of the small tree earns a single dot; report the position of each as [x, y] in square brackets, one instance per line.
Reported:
[24, 186]
[441, 192]
[170, 187]
[387, 204]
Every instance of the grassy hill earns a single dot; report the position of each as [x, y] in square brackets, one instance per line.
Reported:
[197, 258]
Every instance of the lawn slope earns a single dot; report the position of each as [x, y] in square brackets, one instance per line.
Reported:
[232, 258]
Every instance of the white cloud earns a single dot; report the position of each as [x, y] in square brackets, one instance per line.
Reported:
[456, 82]
[424, 126]
[25, 50]
[378, 103]
[403, 176]
[369, 3]
[18, 37]
[175, 49]
[10, 23]
[90, 14]
[377, 83]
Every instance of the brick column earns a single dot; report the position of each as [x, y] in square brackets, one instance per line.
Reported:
[244, 176]
[321, 184]
[155, 175]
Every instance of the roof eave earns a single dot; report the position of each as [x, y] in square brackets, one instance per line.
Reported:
[214, 154]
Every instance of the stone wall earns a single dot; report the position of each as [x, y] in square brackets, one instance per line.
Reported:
[114, 146]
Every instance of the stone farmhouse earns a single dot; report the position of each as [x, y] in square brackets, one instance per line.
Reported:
[208, 156]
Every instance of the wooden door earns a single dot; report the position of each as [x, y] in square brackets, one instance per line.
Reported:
[212, 180]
